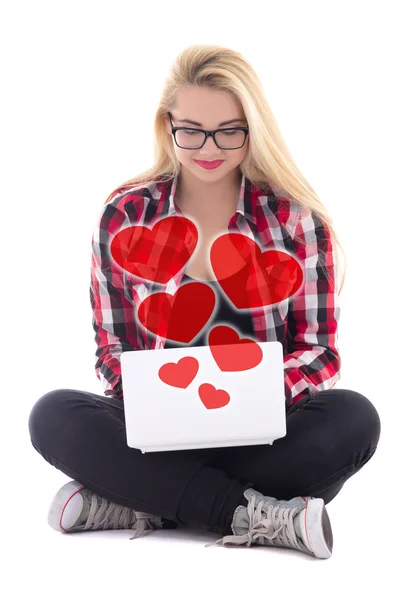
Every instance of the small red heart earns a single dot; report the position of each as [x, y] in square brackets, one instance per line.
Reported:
[251, 278]
[155, 254]
[243, 355]
[180, 374]
[212, 398]
[181, 316]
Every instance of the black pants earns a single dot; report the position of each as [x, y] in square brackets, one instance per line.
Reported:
[330, 436]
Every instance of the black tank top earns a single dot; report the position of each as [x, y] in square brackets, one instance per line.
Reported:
[226, 314]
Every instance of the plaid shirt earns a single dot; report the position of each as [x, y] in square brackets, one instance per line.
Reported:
[306, 324]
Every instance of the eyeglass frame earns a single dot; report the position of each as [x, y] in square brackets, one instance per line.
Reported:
[207, 134]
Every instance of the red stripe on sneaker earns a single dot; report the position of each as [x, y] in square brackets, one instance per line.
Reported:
[62, 512]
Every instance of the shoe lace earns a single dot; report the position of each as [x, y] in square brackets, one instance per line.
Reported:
[275, 524]
[144, 524]
[109, 515]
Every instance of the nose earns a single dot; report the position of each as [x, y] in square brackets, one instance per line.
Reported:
[210, 147]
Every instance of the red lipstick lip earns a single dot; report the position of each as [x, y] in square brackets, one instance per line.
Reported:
[209, 165]
[210, 162]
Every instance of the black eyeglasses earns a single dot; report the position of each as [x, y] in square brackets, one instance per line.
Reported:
[193, 139]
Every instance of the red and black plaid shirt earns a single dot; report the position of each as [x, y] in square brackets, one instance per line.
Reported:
[306, 324]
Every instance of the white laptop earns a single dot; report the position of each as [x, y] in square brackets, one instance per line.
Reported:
[194, 404]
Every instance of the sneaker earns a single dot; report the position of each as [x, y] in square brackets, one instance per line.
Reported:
[76, 508]
[301, 523]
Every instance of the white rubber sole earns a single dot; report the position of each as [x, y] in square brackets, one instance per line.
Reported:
[66, 507]
[318, 528]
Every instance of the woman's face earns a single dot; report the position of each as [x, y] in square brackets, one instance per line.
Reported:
[209, 108]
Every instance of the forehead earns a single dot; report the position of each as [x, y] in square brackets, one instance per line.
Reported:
[206, 106]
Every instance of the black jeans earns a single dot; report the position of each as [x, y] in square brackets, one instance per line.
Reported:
[330, 436]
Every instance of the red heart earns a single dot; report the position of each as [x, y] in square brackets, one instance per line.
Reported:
[212, 398]
[245, 354]
[181, 316]
[156, 254]
[179, 374]
[251, 278]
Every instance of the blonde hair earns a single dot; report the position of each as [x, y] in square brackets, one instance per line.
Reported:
[267, 160]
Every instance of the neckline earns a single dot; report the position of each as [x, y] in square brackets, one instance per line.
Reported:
[200, 280]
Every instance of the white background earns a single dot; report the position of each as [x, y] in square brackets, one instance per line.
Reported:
[80, 85]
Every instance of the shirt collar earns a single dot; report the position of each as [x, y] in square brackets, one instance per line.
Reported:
[246, 203]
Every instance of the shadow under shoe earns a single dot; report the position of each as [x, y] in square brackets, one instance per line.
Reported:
[301, 523]
[76, 508]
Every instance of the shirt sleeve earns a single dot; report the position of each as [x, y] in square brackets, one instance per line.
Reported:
[314, 363]
[113, 314]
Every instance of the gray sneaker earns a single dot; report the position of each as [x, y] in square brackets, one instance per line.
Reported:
[301, 523]
[76, 508]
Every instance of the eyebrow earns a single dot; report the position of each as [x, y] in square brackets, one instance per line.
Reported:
[200, 125]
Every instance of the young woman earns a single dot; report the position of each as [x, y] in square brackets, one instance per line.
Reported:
[212, 108]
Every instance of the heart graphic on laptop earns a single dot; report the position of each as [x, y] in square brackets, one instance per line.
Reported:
[180, 374]
[213, 398]
[242, 355]
[251, 278]
[181, 316]
[155, 254]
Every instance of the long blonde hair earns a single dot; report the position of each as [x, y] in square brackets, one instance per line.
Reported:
[267, 160]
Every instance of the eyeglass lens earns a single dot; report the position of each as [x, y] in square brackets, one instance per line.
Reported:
[191, 139]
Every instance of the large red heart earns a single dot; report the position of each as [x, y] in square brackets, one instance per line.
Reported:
[181, 316]
[179, 374]
[212, 398]
[244, 354]
[250, 278]
[155, 254]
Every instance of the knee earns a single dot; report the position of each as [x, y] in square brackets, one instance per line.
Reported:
[358, 413]
[43, 414]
